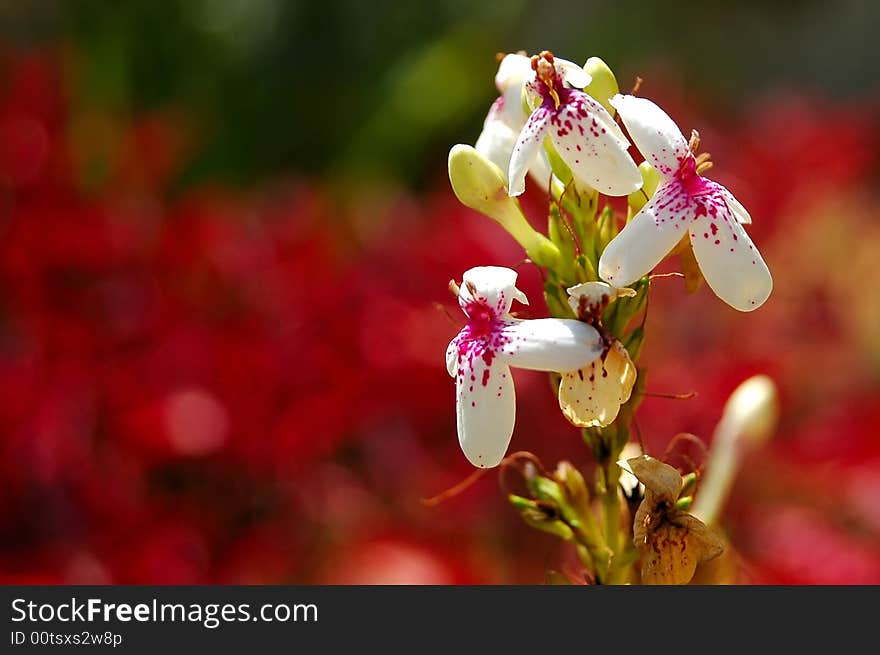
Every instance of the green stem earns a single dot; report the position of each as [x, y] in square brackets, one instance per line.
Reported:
[611, 512]
[587, 533]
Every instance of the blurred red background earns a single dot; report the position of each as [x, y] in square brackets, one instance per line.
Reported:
[227, 384]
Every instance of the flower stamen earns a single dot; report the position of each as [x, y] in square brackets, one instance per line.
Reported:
[703, 162]
[546, 72]
[636, 85]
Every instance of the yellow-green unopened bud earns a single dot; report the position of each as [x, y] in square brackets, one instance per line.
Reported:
[650, 182]
[547, 489]
[603, 85]
[479, 184]
[541, 517]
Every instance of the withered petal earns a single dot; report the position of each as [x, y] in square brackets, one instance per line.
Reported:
[710, 544]
[669, 555]
[662, 479]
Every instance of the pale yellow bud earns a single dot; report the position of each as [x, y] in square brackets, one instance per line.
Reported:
[752, 410]
[480, 184]
[750, 416]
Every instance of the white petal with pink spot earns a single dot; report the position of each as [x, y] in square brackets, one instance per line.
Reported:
[732, 266]
[654, 133]
[480, 357]
[591, 143]
[686, 201]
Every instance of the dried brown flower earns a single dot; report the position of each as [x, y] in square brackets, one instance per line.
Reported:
[671, 542]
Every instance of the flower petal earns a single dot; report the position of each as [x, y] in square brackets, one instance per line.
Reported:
[491, 286]
[593, 146]
[732, 266]
[512, 71]
[508, 108]
[596, 294]
[572, 74]
[671, 543]
[485, 408]
[549, 344]
[660, 478]
[648, 237]
[525, 152]
[669, 552]
[452, 358]
[706, 540]
[540, 170]
[497, 141]
[654, 133]
[741, 213]
[592, 396]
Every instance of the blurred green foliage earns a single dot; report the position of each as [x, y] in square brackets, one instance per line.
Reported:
[380, 89]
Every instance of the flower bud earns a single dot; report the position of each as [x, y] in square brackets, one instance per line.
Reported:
[749, 418]
[561, 236]
[607, 228]
[634, 343]
[574, 486]
[480, 184]
[629, 304]
[650, 182]
[541, 517]
[753, 410]
[603, 84]
[547, 489]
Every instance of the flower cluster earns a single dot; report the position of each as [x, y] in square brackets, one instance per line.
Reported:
[569, 128]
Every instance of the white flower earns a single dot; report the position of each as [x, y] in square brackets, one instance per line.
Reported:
[591, 396]
[581, 129]
[506, 118]
[684, 202]
[480, 357]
